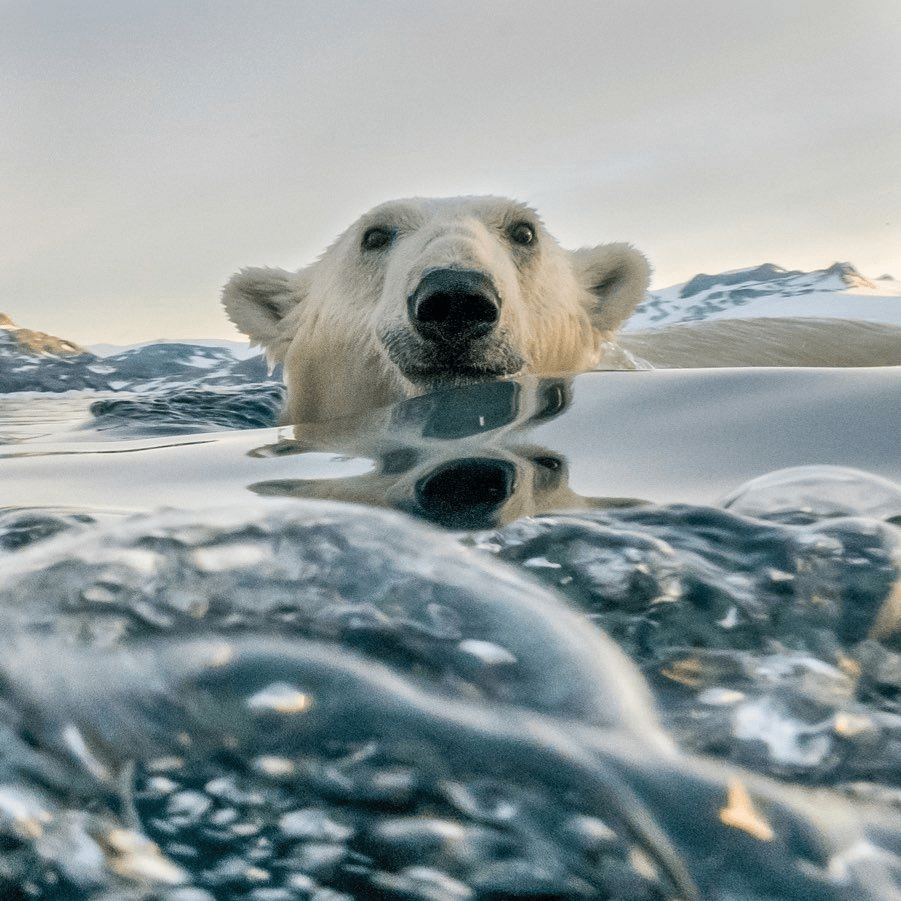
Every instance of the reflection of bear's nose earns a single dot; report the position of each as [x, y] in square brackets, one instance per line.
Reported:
[454, 306]
[465, 493]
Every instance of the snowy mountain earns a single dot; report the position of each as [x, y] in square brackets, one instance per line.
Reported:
[768, 290]
[35, 361]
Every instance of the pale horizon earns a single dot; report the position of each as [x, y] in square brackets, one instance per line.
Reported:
[151, 149]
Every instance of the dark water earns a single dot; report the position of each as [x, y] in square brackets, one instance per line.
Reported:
[267, 695]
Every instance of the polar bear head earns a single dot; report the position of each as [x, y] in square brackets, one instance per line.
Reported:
[426, 292]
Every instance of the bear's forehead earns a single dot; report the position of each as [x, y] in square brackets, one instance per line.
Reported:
[416, 211]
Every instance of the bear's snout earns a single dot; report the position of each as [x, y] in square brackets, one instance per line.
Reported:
[454, 306]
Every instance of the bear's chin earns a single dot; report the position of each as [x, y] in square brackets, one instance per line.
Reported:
[428, 366]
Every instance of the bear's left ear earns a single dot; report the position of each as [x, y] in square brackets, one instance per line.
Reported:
[617, 277]
[257, 300]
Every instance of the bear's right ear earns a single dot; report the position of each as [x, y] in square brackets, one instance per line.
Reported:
[616, 277]
[257, 300]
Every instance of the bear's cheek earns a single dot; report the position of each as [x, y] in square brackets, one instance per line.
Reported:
[397, 281]
[389, 313]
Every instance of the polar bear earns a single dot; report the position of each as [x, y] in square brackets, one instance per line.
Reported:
[422, 293]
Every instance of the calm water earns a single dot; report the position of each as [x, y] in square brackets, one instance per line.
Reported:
[636, 635]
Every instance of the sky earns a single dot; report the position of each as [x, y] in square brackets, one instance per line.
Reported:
[151, 148]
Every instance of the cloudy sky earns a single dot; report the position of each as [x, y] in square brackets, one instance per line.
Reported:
[149, 148]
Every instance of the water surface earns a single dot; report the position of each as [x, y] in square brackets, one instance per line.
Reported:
[632, 635]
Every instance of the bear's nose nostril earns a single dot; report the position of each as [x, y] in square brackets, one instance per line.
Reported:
[454, 305]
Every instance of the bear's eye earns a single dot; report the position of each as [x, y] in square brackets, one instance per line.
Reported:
[522, 233]
[376, 238]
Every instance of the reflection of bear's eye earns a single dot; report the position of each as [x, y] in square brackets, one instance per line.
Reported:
[549, 462]
[377, 237]
[522, 233]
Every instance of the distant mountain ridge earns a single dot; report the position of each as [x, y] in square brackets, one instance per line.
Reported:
[769, 290]
[241, 350]
[35, 361]
[27, 341]
[794, 281]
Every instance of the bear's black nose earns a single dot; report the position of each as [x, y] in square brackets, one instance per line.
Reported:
[454, 306]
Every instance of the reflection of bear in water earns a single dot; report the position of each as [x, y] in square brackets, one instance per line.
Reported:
[420, 293]
[459, 457]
